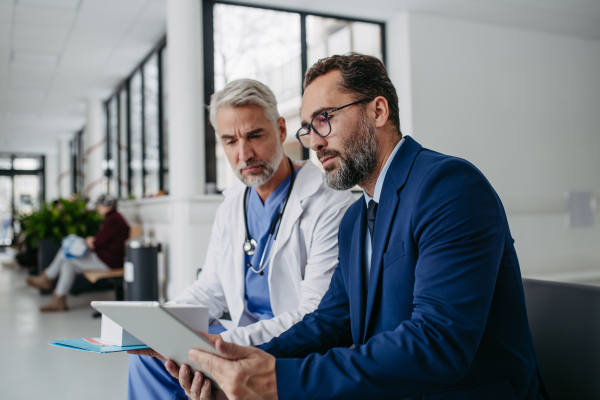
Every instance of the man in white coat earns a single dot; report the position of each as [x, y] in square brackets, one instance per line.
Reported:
[273, 246]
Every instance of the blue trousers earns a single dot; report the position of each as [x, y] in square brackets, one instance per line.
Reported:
[150, 380]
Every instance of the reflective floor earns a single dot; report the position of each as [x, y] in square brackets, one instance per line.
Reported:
[31, 369]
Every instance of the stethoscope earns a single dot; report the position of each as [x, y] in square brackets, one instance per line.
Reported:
[250, 244]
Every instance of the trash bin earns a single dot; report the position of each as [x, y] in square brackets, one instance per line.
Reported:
[141, 269]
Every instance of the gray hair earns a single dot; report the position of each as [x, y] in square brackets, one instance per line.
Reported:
[107, 200]
[244, 92]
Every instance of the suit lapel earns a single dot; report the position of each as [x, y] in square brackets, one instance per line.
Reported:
[388, 201]
[357, 289]
[394, 181]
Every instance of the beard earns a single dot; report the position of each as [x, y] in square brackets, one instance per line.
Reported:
[357, 162]
[269, 168]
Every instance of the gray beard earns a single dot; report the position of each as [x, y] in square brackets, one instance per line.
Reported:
[359, 160]
[268, 172]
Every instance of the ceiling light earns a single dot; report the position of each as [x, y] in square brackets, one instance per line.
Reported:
[35, 57]
[60, 4]
[27, 92]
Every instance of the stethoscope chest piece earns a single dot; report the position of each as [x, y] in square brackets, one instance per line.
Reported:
[250, 247]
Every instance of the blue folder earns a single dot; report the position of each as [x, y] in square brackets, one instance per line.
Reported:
[93, 345]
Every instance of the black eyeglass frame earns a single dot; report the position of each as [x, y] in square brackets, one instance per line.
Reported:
[308, 128]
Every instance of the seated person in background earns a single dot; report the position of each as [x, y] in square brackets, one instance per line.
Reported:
[273, 246]
[106, 251]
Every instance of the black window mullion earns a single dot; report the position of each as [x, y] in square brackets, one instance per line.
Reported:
[117, 157]
[210, 142]
[128, 124]
[143, 127]
[304, 58]
[42, 175]
[161, 167]
[107, 139]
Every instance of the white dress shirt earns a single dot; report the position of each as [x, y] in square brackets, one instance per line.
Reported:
[376, 194]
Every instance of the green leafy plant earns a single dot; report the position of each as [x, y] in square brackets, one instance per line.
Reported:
[60, 218]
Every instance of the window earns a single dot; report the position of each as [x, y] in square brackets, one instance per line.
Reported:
[274, 47]
[111, 164]
[77, 163]
[135, 135]
[151, 139]
[136, 153]
[22, 184]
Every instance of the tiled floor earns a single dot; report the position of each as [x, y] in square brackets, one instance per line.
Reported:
[31, 369]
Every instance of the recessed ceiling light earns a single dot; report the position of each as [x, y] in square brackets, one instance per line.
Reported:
[34, 57]
[22, 114]
[27, 92]
[61, 4]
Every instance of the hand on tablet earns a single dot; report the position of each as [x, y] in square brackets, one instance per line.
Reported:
[198, 388]
[147, 352]
[210, 336]
[243, 372]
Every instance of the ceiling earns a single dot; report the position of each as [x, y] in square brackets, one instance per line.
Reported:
[56, 53]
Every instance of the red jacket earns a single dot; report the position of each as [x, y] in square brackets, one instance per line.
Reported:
[110, 240]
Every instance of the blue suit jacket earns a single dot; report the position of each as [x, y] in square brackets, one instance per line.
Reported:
[444, 313]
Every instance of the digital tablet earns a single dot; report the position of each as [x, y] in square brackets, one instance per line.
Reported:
[154, 325]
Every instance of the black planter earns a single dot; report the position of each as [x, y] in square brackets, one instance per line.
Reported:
[46, 252]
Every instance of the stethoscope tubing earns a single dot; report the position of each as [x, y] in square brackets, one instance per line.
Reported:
[273, 230]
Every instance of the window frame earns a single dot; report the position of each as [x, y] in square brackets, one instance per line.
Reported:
[125, 85]
[209, 66]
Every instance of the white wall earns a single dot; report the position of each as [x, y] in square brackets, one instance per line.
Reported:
[51, 176]
[156, 217]
[524, 107]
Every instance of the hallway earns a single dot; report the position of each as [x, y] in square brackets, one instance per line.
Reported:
[31, 369]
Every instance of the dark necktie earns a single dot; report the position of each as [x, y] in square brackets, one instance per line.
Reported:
[371, 214]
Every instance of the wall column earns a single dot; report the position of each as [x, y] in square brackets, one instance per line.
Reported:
[186, 136]
[64, 169]
[93, 150]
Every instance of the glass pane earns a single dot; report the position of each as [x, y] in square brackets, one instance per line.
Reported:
[123, 148]
[328, 36]
[151, 159]
[165, 113]
[27, 194]
[5, 163]
[262, 45]
[113, 148]
[135, 90]
[6, 232]
[28, 164]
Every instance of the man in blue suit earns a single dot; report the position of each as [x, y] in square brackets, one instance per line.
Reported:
[427, 300]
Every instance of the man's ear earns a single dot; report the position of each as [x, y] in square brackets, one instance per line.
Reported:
[381, 111]
[281, 129]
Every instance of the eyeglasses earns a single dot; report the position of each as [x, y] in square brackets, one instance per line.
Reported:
[320, 125]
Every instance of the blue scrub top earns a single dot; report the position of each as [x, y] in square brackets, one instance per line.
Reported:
[260, 217]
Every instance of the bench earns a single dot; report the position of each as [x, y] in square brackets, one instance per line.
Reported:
[565, 325]
[116, 274]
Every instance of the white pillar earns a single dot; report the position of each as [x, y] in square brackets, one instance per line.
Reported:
[64, 168]
[51, 175]
[186, 112]
[399, 68]
[186, 137]
[93, 154]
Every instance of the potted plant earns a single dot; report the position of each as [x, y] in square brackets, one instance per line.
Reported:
[47, 227]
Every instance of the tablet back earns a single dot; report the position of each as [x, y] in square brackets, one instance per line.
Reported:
[157, 328]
